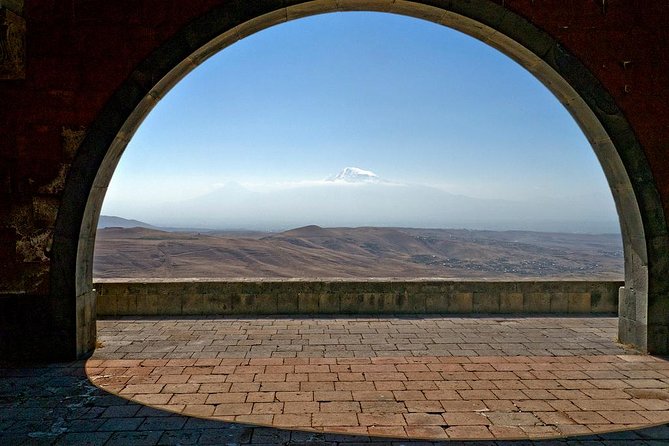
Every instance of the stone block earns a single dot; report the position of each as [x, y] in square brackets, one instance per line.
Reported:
[511, 302]
[217, 304]
[579, 303]
[394, 303]
[192, 304]
[307, 303]
[253, 304]
[537, 303]
[13, 44]
[658, 338]
[264, 304]
[604, 298]
[413, 303]
[45, 209]
[364, 5]
[390, 301]
[461, 303]
[208, 288]
[559, 303]
[71, 140]
[351, 303]
[310, 8]
[243, 303]
[372, 303]
[168, 304]
[328, 303]
[107, 306]
[85, 323]
[136, 289]
[436, 303]
[630, 331]
[147, 304]
[485, 302]
[126, 304]
[286, 303]
[626, 304]
[420, 11]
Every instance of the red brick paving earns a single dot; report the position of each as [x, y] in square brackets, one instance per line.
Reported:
[425, 391]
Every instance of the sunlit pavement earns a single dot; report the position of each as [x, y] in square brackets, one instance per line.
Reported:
[343, 381]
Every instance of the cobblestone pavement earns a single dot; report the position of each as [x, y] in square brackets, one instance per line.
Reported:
[323, 381]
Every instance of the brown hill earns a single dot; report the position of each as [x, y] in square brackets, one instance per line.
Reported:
[315, 252]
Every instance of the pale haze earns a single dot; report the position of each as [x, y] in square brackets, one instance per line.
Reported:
[437, 128]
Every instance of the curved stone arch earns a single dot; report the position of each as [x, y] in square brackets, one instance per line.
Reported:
[621, 156]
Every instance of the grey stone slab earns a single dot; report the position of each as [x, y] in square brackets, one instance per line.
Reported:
[143, 438]
[120, 411]
[180, 437]
[120, 424]
[83, 439]
[84, 425]
[163, 423]
[235, 434]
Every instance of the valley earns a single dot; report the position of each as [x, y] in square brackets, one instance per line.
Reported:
[313, 252]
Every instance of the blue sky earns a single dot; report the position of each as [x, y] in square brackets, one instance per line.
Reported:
[412, 101]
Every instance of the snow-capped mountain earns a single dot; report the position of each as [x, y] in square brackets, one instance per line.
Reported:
[355, 175]
[372, 201]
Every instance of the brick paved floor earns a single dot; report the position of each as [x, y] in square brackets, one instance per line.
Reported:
[430, 378]
[343, 381]
[356, 337]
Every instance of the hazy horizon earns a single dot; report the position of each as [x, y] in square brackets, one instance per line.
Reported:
[457, 134]
[573, 227]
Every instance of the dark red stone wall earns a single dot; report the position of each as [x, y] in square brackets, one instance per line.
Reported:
[77, 54]
[625, 44]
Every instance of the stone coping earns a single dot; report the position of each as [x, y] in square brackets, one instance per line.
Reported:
[345, 280]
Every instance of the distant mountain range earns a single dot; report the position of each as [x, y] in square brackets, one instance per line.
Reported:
[110, 221]
[365, 252]
[357, 197]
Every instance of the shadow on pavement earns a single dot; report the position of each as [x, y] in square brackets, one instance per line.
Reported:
[57, 404]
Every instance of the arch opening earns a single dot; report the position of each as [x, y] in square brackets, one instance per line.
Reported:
[245, 156]
[571, 83]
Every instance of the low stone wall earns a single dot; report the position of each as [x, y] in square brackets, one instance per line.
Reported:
[209, 297]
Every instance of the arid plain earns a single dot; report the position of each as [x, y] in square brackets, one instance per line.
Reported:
[356, 253]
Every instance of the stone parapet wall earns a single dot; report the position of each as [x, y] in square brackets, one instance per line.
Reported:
[210, 297]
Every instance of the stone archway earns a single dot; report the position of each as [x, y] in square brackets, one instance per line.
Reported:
[643, 301]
